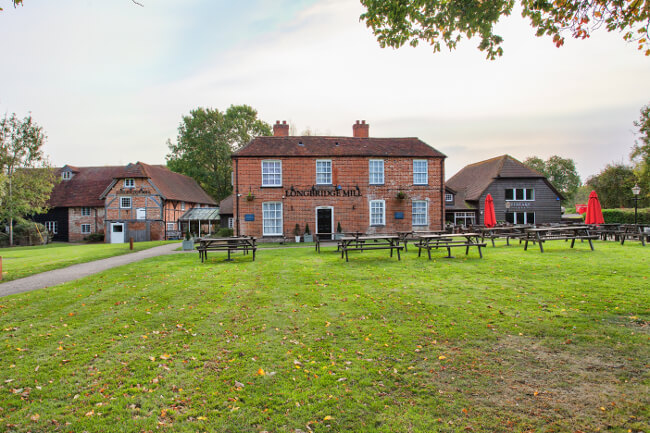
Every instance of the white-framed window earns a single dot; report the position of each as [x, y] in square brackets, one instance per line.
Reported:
[420, 172]
[125, 202]
[377, 212]
[171, 227]
[129, 183]
[449, 197]
[52, 226]
[231, 222]
[141, 213]
[272, 219]
[271, 173]
[85, 211]
[520, 217]
[520, 194]
[324, 171]
[419, 212]
[85, 229]
[464, 218]
[376, 170]
[66, 175]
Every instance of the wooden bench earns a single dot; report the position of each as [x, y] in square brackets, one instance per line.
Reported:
[429, 242]
[372, 242]
[242, 243]
[634, 232]
[559, 233]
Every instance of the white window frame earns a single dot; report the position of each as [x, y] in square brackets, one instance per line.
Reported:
[52, 226]
[379, 218]
[171, 226]
[85, 232]
[66, 175]
[324, 177]
[375, 176]
[424, 173]
[141, 213]
[420, 221]
[269, 167]
[525, 215]
[525, 194]
[122, 206]
[129, 183]
[86, 211]
[272, 229]
[449, 197]
[231, 222]
[464, 216]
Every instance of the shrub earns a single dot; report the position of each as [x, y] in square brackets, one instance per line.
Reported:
[95, 237]
[30, 233]
[626, 216]
[225, 233]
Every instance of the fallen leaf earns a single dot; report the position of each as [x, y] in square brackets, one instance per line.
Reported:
[261, 372]
[327, 418]
[201, 418]
[35, 417]
[441, 357]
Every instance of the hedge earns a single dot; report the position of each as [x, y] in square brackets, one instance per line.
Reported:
[626, 216]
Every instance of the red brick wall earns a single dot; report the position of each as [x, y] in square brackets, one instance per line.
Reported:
[352, 212]
[75, 220]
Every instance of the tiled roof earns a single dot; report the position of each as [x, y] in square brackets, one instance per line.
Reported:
[84, 188]
[175, 186]
[87, 185]
[337, 146]
[226, 205]
[473, 179]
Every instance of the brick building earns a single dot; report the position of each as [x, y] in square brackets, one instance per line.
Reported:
[521, 195]
[138, 200]
[363, 183]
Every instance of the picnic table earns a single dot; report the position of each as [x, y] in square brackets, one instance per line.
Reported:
[449, 241]
[370, 242]
[230, 244]
[558, 233]
[633, 231]
[331, 238]
[507, 232]
[607, 231]
[412, 235]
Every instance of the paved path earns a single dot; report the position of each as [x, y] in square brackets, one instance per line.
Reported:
[63, 275]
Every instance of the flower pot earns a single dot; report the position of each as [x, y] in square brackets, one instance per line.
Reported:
[309, 238]
[297, 239]
[188, 245]
[338, 236]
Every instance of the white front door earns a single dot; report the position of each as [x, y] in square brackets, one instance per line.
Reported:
[117, 233]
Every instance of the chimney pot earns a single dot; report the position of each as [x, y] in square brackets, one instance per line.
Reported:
[280, 129]
[361, 129]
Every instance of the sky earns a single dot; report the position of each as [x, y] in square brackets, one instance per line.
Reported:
[110, 81]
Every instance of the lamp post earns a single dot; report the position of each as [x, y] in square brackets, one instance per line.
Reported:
[636, 190]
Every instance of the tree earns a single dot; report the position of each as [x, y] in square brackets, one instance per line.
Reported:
[436, 22]
[28, 178]
[614, 185]
[641, 152]
[206, 139]
[561, 172]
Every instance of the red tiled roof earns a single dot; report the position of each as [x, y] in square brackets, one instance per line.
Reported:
[337, 146]
[85, 187]
[175, 186]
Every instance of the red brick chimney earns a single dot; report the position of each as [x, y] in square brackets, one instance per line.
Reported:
[360, 130]
[280, 129]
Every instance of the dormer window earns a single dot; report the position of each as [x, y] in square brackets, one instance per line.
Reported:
[129, 183]
[449, 197]
[66, 175]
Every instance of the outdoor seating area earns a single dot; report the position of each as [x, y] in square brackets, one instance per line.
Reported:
[448, 241]
[370, 242]
[245, 244]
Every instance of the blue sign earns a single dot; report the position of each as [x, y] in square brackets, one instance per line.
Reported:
[249, 217]
[399, 215]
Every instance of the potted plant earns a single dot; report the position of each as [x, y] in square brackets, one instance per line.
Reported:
[250, 196]
[308, 237]
[188, 242]
[401, 195]
[339, 231]
[296, 233]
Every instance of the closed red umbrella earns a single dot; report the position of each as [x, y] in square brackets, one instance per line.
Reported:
[594, 212]
[490, 219]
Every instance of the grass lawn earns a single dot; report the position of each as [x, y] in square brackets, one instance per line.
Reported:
[299, 341]
[21, 262]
